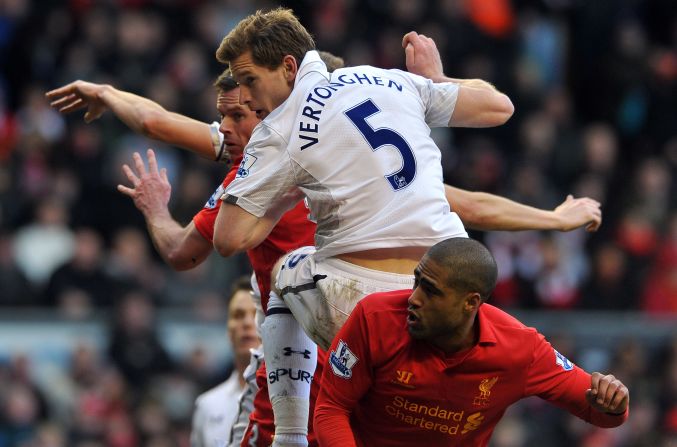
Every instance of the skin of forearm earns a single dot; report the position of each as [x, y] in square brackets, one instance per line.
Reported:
[150, 119]
[167, 235]
[487, 212]
[131, 109]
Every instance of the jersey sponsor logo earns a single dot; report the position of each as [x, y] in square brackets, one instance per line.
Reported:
[288, 351]
[562, 361]
[245, 165]
[403, 378]
[426, 415]
[342, 360]
[473, 422]
[213, 200]
[292, 374]
[485, 391]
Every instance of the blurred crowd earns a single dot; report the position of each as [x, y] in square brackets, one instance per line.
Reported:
[595, 90]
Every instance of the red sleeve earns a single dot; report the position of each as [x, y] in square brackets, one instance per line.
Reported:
[347, 377]
[554, 378]
[204, 220]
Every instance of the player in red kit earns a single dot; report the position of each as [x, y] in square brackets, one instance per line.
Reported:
[185, 247]
[439, 366]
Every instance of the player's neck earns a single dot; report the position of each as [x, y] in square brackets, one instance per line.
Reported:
[465, 338]
[401, 260]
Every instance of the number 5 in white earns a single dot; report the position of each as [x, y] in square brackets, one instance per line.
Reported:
[382, 137]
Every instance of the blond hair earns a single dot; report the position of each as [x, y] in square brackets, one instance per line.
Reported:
[270, 36]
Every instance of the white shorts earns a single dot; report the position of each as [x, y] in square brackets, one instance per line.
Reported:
[321, 294]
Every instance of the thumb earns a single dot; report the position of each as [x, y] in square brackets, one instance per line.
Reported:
[88, 117]
[569, 198]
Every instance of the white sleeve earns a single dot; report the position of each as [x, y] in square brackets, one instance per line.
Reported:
[264, 175]
[197, 426]
[439, 99]
[220, 153]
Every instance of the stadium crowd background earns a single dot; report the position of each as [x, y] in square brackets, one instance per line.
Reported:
[595, 90]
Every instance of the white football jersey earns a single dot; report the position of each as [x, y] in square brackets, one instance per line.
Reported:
[216, 411]
[358, 145]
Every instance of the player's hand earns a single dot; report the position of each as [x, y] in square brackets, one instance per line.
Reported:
[574, 213]
[422, 56]
[151, 189]
[607, 394]
[78, 95]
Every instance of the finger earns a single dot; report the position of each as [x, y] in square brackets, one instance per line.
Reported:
[163, 174]
[611, 392]
[602, 387]
[59, 91]
[594, 382]
[130, 175]
[407, 38]
[62, 100]
[138, 162]
[569, 198]
[618, 400]
[152, 162]
[126, 191]
[410, 54]
[72, 107]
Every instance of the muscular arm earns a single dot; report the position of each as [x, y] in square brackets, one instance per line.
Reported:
[483, 211]
[599, 399]
[141, 114]
[182, 248]
[237, 230]
[479, 104]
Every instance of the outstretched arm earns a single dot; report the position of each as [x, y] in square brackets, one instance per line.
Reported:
[182, 248]
[478, 104]
[141, 114]
[483, 211]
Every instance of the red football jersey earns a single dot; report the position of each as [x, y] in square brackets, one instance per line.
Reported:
[381, 387]
[294, 230]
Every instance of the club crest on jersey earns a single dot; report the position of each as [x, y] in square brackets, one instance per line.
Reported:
[562, 361]
[213, 200]
[245, 165]
[485, 386]
[342, 360]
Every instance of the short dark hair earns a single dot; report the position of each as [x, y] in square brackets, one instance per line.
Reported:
[270, 36]
[469, 265]
[242, 283]
[225, 82]
[332, 61]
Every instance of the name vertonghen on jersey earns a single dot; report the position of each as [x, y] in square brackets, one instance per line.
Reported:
[308, 130]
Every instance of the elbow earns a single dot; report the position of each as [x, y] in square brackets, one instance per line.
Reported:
[179, 262]
[227, 247]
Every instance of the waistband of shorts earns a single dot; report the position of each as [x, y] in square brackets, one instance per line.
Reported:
[377, 275]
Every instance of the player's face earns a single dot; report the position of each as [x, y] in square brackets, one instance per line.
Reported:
[437, 312]
[237, 122]
[261, 89]
[242, 324]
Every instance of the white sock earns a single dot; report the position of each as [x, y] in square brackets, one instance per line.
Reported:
[291, 358]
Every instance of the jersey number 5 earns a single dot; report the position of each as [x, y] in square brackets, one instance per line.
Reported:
[383, 137]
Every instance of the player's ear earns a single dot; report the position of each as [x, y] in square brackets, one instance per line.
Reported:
[290, 67]
[472, 301]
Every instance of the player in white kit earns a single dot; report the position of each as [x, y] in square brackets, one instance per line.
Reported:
[357, 144]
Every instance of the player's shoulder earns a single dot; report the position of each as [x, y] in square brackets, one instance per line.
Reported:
[220, 393]
[504, 324]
